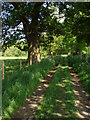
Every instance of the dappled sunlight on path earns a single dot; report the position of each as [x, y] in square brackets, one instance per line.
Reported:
[82, 98]
[29, 109]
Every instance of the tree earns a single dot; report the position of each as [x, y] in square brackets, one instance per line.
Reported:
[33, 17]
[77, 19]
[24, 23]
[14, 51]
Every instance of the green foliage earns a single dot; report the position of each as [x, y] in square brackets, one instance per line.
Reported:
[28, 21]
[59, 97]
[82, 67]
[37, 18]
[58, 46]
[14, 52]
[18, 85]
[77, 21]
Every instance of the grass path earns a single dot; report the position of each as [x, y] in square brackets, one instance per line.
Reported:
[29, 109]
[58, 102]
[82, 98]
[59, 96]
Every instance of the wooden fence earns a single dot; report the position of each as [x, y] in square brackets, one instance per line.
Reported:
[3, 68]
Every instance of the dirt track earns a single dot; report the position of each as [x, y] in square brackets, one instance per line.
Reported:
[82, 98]
[28, 110]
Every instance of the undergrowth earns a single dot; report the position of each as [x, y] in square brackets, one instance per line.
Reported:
[18, 85]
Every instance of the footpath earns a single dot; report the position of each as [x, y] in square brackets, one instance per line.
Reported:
[64, 107]
[28, 110]
[82, 98]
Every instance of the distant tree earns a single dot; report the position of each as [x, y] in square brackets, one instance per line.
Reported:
[14, 51]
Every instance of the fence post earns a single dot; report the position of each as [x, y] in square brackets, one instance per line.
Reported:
[3, 69]
[30, 60]
[20, 65]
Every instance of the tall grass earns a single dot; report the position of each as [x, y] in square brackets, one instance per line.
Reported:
[18, 85]
[81, 67]
[59, 100]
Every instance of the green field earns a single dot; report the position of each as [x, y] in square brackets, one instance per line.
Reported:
[5, 58]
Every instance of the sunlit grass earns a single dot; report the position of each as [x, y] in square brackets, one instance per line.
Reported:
[18, 85]
[5, 58]
[59, 100]
[0, 118]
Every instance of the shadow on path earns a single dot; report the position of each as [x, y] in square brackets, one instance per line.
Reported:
[29, 109]
[82, 98]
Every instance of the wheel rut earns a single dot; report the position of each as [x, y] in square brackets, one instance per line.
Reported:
[82, 98]
[29, 109]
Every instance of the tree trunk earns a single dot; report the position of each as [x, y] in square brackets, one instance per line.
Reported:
[34, 59]
[29, 60]
[28, 56]
[38, 54]
[33, 53]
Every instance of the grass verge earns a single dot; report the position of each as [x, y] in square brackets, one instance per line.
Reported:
[81, 66]
[21, 84]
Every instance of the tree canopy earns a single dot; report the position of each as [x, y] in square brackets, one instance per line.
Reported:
[26, 23]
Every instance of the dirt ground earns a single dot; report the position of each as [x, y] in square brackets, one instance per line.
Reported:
[82, 98]
[29, 109]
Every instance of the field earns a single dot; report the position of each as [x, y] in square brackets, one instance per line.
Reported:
[5, 58]
[19, 85]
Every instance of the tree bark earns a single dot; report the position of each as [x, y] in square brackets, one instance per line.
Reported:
[29, 59]
[30, 50]
[38, 54]
[33, 53]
